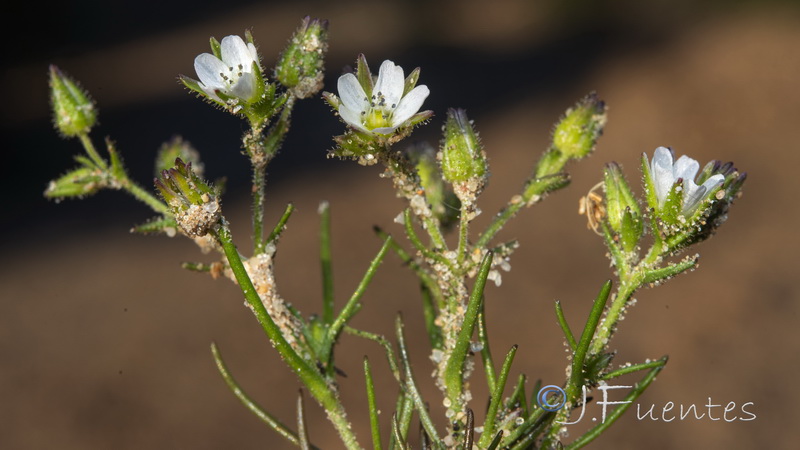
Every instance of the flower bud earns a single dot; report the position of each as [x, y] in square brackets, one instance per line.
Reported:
[576, 134]
[193, 202]
[300, 66]
[462, 156]
[177, 148]
[73, 109]
[622, 210]
[81, 182]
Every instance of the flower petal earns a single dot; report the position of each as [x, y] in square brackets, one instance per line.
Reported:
[391, 83]
[235, 53]
[253, 53]
[686, 168]
[210, 69]
[661, 168]
[352, 118]
[383, 130]
[352, 94]
[410, 104]
[245, 87]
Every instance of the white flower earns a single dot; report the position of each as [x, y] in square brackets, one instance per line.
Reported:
[387, 108]
[232, 75]
[665, 174]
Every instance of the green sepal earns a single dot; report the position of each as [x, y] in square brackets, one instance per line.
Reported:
[672, 211]
[270, 104]
[216, 49]
[411, 81]
[364, 75]
[356, 145]
[649, 187]
[630, 231]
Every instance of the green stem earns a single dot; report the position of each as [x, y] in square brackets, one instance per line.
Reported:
[463, 235]
[145, 197]
[325, 261]
[533, 191]
[314, 381]
[91, 151]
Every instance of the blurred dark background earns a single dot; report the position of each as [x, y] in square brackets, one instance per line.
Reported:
[104, 339]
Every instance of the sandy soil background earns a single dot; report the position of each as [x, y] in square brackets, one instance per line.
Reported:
[104, 340]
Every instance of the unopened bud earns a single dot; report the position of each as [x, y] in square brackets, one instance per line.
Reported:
[462, 155]
[73, 110]
[174, 149]
[577, 133]
[300, 67]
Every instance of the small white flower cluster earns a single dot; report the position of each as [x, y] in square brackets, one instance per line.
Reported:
[665, 174]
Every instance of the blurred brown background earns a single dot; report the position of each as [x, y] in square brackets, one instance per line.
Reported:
[104, 340]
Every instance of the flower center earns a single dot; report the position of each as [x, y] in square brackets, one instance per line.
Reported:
[379, 114]
[233, 75]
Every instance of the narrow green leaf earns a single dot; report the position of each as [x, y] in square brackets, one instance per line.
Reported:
[518, 397]
[352, 306]
[302, 432]
[281, 225]
[562, 321]
[411, 386]
[373, 407]
[453, 370]
[576, 378]
[637, 390]
[266, 417]
[634, 368]
[486, 351]
[658, 275]
[497, 398]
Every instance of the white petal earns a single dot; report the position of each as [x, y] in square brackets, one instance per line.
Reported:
[210, 69]
[253, 52]
[384, 130]
[391, 83]
[235, 52]
[712, 182]
[351, 93]
[353, 118]
[410, 104]
[661, 169]
[245, 87]
[686, 168]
